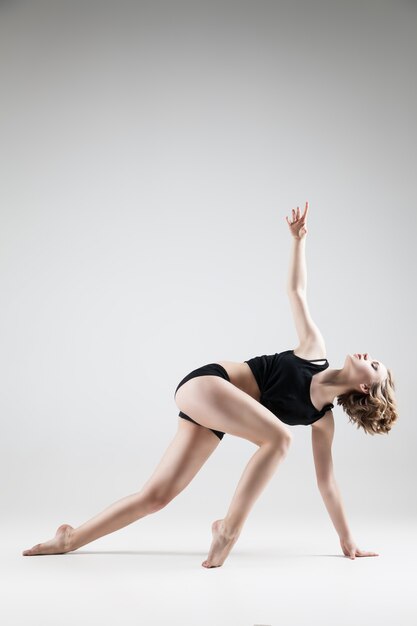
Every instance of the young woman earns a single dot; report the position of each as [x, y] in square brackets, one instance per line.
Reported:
[257, 400]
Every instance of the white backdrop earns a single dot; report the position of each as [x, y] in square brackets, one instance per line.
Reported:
[150, 153]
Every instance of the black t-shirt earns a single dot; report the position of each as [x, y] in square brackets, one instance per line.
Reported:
[284, 381]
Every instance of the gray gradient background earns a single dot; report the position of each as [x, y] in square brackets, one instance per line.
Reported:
[150, 158]
[150, 153]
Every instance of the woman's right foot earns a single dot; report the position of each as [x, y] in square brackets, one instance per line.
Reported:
[60, 544]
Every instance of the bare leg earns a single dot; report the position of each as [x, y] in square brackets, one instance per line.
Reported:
[184, 457]
[255, 477]
[119, 514]
[222, 406]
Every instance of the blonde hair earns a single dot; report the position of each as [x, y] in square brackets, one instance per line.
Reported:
[375, 411]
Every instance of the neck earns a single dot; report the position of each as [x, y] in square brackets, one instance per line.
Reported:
[332, 383]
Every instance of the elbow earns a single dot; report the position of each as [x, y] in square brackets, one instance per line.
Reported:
[298, 290]
[326, 485]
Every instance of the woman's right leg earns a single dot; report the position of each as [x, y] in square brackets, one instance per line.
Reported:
[216, 403]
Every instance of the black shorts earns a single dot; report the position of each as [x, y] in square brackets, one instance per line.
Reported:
[212, 369]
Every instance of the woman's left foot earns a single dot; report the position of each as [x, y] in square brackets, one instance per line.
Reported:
[60, 544]
[221, 545]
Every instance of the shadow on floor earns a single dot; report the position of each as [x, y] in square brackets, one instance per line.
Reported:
[237, 553]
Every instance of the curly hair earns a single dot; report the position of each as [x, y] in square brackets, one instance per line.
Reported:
[375, 412]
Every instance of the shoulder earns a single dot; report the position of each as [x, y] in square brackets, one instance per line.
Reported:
[325, 424]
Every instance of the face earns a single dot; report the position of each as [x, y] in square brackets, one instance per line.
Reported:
[366, 370]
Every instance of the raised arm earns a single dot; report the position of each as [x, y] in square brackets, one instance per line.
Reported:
[309, 335]
[297, 276]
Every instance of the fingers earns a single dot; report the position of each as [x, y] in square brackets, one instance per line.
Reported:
[296, 214]
[363, 553]
[360, 553]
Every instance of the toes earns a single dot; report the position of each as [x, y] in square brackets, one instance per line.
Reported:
[32, 551]
[209, 565]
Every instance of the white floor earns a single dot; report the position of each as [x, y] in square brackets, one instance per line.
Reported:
[293, 575]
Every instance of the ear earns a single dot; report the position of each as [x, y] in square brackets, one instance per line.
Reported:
[364, 388]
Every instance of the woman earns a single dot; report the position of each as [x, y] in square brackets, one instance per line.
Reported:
[257, 400]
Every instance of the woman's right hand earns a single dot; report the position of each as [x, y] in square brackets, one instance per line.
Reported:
[297, 225]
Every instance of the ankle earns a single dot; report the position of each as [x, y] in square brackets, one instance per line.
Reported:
[229, 529]
[70, 541]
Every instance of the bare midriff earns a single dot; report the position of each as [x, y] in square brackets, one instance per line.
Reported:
[241, 376]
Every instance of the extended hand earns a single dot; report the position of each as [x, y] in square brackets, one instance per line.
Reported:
[297, 225]
[351, 550]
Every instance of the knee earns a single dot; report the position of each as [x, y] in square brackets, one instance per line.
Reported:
[157, 500]
[282, 442]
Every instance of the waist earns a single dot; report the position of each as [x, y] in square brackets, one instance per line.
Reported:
[241, 376]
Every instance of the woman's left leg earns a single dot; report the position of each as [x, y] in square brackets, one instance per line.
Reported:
[184, 457]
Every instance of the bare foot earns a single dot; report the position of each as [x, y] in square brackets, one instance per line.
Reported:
[220, 546]
[60, 544]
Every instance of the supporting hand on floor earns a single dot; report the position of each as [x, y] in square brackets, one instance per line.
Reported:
[351, 550]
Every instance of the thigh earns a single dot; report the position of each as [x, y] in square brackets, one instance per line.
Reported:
[186, 454]
[211, 369]
[218, 404]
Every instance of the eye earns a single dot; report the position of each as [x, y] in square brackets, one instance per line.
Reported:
[376, 366]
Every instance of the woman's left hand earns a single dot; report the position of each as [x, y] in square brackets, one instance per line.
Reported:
[351, 550]
[297, 225]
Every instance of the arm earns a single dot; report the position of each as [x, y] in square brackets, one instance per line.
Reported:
[333, 502]
[322, 438]
[308, 333]
[297, 277]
